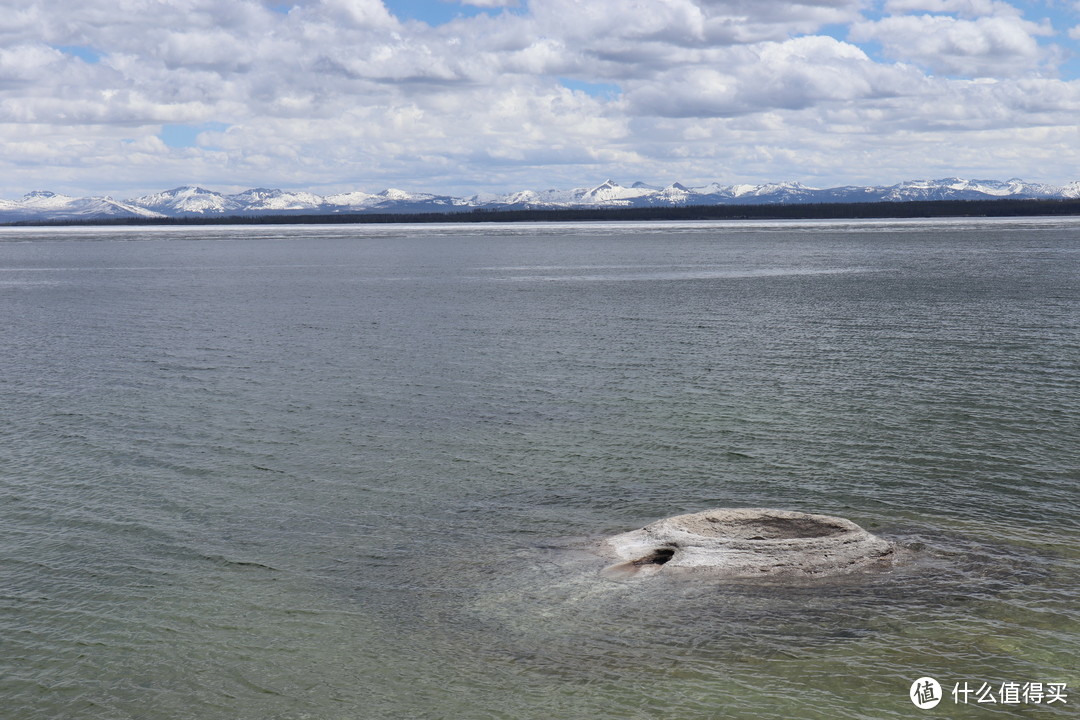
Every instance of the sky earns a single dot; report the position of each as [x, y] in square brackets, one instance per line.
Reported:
[127, 97]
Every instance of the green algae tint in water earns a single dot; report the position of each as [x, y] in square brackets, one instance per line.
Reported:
[353, 472]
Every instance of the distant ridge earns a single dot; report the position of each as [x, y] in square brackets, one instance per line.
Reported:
[195, 202]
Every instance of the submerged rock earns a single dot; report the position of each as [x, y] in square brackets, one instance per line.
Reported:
[748, 543]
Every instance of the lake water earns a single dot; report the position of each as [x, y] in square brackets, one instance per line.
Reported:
[345, 472]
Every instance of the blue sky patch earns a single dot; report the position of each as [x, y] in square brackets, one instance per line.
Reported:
[83, 52]
[185, 136]
[437, 12]
[604, 91]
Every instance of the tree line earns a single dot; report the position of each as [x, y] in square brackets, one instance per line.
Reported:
[794, 211]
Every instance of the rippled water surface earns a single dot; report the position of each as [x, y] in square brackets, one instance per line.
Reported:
[353, 471]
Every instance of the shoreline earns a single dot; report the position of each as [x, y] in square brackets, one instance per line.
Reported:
[810, 211]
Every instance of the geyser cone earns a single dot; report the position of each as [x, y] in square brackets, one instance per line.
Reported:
[748, 543]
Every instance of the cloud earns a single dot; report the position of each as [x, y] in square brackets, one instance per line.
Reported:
[357, 13]
[605, 26]
[792, 75]
[984, 47]
[341, 94]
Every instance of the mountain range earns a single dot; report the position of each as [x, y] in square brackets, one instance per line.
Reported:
[190, 201]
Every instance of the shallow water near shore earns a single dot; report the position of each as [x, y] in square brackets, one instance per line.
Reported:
[354, 471]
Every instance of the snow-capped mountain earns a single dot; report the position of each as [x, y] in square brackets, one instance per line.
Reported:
[390, 200]
[356, 200]
[189, 200]
[1071, 191]
[612, 193]
[42, 204]
[276, 200]
[958, 189]
[192, 201]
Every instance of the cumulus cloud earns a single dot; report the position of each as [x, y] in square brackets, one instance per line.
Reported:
[795, 74]
[341, 94]
[604, 26]
[993, 46]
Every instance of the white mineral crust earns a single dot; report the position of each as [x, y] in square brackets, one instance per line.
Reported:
[748, 543]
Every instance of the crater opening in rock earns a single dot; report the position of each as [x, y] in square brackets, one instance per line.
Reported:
[657, 557]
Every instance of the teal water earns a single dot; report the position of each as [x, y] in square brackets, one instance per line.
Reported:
[349, 472]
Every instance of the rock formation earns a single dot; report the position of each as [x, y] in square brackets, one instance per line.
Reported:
[748, 543]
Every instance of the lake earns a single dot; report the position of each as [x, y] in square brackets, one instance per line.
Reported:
[352, 471]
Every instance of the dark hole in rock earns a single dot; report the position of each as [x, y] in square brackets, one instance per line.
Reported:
[658, 557]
